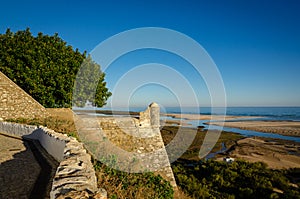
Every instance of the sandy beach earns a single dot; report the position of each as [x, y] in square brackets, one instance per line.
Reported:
[277, 154]
[288, 128]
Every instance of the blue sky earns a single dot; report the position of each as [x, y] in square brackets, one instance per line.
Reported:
[255, 44]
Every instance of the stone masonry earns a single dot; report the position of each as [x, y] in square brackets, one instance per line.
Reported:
[16, 103]
[126, 143]
[75, 173]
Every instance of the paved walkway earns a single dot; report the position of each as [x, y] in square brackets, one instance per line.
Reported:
[19, 169]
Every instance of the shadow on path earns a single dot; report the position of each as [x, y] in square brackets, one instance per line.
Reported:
[29, 173]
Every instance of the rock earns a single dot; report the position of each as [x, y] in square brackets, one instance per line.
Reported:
[100, 194]
[75, 195]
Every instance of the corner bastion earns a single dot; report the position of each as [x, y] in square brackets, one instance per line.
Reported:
[134, 143]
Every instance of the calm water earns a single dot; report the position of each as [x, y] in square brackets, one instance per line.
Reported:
[276, 113]
[268, 113]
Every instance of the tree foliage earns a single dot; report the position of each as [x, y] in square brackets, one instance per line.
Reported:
[45, 67]
[90, 85]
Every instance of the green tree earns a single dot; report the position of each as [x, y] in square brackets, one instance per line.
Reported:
[90, 85]
[46, 68]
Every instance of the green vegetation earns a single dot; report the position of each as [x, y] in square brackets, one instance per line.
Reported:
[240, 179]
[120, 184]
[226, 138]
[46, 67]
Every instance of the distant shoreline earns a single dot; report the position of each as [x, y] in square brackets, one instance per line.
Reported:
[253, 123]
[286, 128]
[208, 117]
[269, 113]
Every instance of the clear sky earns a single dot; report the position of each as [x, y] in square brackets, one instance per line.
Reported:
[255, 44]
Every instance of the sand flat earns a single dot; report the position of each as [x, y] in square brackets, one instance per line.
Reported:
[287, 128]
[276, 154]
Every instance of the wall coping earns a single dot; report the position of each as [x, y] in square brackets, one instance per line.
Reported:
[75, 171]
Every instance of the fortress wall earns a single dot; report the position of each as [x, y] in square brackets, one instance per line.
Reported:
[16, 103]
[75, 170]
[136, 142]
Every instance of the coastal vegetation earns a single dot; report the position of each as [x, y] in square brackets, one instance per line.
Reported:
[46, 68]
[119, 184]
[239, 179]
[200, 178]
[225, 141]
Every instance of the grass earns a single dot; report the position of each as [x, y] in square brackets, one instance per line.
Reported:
[59, 121]
[121, 185]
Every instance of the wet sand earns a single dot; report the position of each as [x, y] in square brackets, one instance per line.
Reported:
[287, 128]
[277, 154]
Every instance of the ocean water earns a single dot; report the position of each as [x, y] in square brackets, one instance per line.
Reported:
[273, 113]
[267, 113]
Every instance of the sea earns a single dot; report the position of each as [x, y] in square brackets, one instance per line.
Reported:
[268, 113]
[261, 113]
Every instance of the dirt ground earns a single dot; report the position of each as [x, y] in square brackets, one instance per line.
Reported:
[61, 113]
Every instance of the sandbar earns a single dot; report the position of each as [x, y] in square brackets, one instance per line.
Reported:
[277, 154]
[287, 128]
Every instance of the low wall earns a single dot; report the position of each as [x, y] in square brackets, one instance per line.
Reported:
[75, 171]
[16, 129]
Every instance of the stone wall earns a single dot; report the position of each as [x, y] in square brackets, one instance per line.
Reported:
[135, 143]
[16, 103]
[75, 171]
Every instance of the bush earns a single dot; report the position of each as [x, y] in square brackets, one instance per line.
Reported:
[240, 179]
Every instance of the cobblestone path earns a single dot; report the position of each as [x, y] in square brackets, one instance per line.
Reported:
[19, 169]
